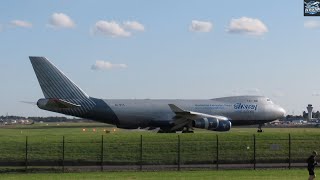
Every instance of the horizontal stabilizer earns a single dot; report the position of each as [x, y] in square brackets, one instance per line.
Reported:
[56, 103]
[28, 102]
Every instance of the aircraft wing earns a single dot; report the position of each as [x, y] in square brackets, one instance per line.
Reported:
[193, 115]
[185, 118]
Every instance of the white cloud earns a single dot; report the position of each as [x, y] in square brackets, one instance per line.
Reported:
[253, 91]
[277, 93]
[235, 92]
[312, 24]
[111, 28]
[248, 91]
[316, 93]
[248, 26]
[19, 23]
[60, 20]
[200, 26]
[133, 25]
[105, 65]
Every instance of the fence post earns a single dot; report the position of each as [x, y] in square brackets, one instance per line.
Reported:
[254, 151]
[217, 151]
[101, 152]
[141, 152]
[62, 153]
[179, 162]
[289, 151]
[26, 154]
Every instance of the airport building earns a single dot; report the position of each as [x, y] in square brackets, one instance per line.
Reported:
[310, 114]
[9, 121]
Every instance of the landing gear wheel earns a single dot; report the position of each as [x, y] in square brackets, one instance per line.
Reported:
[187, 132]
[160, 131]
[260, 129]
[165, 131]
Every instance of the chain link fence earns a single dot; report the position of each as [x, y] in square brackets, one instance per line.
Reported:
[145, 152]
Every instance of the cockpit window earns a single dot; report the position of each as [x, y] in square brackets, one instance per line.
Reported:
[268, 100]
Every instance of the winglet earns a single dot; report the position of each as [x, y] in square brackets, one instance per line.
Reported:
[176, 109]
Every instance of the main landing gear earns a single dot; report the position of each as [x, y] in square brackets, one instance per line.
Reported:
[187, 130]
[165, 131]
[259, 128]
[184, 130]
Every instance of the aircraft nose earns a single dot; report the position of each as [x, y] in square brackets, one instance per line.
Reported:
[280, 111]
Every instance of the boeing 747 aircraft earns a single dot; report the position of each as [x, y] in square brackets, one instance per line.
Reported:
[170, 115]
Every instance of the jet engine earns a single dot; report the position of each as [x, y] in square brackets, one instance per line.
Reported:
[213, 124]
[224, 125]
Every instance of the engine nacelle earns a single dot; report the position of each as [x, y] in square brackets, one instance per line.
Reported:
[224, 125]
[206, 123]
[213, 124]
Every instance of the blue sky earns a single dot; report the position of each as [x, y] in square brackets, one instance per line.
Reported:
[162, 49]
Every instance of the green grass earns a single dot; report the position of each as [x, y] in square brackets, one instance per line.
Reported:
[294, 174]
[123, 146]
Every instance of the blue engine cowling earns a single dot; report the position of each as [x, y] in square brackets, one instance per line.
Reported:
[213, 124]
[224, 125]
[206, 123]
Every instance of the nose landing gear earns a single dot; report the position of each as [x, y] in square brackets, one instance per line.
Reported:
[259, 128]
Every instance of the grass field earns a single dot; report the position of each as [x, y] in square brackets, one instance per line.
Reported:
[294, 174]
[60, 129]
[45, 143]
